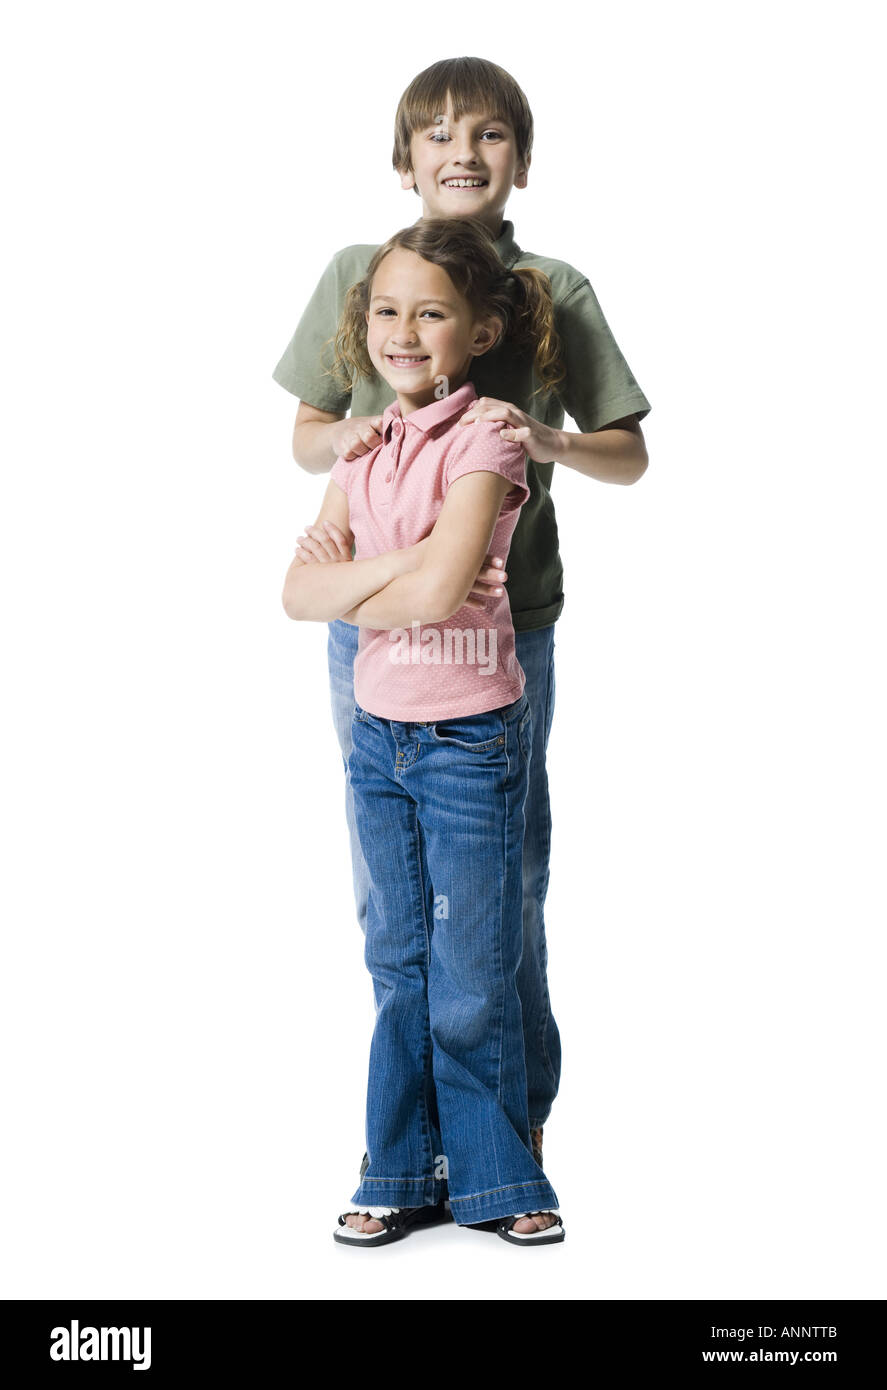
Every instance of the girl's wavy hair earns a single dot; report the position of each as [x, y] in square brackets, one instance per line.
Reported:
[464, 247]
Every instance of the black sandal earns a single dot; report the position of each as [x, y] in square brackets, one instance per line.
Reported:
[551, 1235]
[397, 1221]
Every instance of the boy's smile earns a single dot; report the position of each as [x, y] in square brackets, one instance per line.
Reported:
[465, 168]
[419, 329]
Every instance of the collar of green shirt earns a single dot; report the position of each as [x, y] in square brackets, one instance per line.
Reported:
[508, 249]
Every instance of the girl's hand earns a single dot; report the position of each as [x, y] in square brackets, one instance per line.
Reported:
[542, 443]
[356, 435]
[324, 544]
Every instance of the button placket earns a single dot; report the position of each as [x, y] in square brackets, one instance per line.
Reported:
[394, 449]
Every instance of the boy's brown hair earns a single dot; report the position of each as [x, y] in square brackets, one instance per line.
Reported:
[466, 249]
[472, 84]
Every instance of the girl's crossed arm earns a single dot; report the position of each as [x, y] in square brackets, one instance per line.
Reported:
[427, 582]
[324, 591]
[450, 559]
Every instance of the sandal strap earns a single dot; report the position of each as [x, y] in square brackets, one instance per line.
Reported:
[390, 1217]
[509, 1222]
[376, 1212]
[383, 1214]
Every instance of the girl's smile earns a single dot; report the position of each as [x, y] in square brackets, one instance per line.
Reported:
[404, 361]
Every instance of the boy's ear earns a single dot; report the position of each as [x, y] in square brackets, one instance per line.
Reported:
[407, 179]
[520, 178]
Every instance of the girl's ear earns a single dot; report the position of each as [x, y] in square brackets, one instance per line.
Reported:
[487, 335]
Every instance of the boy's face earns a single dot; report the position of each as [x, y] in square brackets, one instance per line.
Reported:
[477, 148]
[419, 329]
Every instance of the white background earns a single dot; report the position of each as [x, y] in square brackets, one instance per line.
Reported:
[185, 1010]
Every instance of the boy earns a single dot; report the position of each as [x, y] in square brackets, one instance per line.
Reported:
[463, 140]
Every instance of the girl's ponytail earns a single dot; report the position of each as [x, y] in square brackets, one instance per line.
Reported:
[533, 322]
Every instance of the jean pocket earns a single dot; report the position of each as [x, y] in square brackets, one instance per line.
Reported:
[476, 733]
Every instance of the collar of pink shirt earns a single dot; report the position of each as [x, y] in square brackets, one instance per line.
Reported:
[430, 416]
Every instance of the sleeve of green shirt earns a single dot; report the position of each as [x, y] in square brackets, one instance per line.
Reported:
[301, 369]
[599, 386]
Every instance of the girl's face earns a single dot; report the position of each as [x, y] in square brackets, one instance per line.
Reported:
[420, 329]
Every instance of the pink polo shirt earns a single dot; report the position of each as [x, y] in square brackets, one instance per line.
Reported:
[395, 493]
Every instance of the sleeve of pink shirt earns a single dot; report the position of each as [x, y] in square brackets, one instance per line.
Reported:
[341, 474]
[479, 449]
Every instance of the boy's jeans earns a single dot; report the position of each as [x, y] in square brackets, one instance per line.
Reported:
[535, 652]
[439, 808]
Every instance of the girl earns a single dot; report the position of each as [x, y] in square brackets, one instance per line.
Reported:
[441, 734]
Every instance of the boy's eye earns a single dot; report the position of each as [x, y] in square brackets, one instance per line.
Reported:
[440, 136]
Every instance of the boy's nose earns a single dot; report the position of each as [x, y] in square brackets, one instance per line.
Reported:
[464, 149]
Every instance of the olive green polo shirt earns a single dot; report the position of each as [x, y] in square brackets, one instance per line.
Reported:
[598, 389]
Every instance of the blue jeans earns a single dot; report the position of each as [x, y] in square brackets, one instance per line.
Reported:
[535, 652]
[439, 808]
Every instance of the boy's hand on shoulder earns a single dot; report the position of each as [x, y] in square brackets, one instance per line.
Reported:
[356, 435]
[541, 443]
[323, 545]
